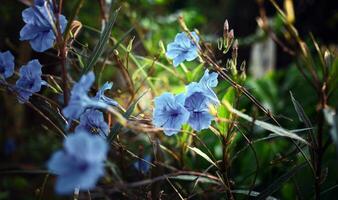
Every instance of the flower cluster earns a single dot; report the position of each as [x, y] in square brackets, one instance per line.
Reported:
[40, 28]
[80, 164]
[192, 107]
[29, 81]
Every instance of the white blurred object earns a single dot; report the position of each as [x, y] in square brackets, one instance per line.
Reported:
[262, 58]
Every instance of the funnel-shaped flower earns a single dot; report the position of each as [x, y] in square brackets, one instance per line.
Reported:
[198, 99]
[80, 164]
[39, 21]
[169, 113]
[182, 48]
[30, 80]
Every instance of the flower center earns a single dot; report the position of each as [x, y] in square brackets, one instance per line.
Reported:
[83, 166]
[174, 114]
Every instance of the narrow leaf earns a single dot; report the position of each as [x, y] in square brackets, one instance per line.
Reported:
[275, 129]
[193, 178]
[202, 154]
[100, 46]
[116, 128]
[302, 116]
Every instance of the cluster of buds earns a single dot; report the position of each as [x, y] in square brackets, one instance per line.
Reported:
[225, 42]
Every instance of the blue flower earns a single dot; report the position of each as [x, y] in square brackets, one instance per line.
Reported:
[143, 166]
[80, 164]
[199, 96]
[197, 105]
[6, 65]
[169, 113]
[30, 81]
[39, 21]
[92, 121]
[182, 48]
[79, 99]
[101, 97]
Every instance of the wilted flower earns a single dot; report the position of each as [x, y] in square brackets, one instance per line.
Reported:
[30, 81]
[80, 164]
[6, 64]
[92, 121]
[143, 166]
[101, 97]
[169, 113]
[39, 21]
[182, 48]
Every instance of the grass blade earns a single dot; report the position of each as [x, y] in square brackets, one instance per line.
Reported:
[202, 154]
[100, 46]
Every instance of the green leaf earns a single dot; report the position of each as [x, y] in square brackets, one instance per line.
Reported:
[193, 178]
[202, 154]
[100, 46]
[303, 117]
[223, 112]
[275, 129]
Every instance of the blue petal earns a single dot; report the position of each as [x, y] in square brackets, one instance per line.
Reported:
[174, 50]
[169, 113]
[101, 97]
[29, 32]
[43, 41]
[93, 120]
[195, 36]
[28, 16]
[179, 59]
[59, 163]
[29, 81]
[63, 23]
[191, 54]
[142, 165]
[183, 40]
[86, 147]
[209, 79]
[197, 105]
[200, 120]
[6, 64]
[77, 179]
